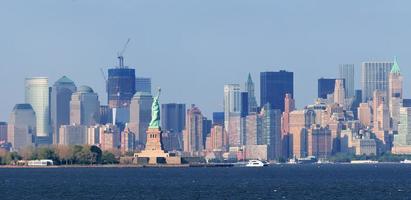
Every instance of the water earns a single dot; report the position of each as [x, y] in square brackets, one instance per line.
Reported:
[382, 181]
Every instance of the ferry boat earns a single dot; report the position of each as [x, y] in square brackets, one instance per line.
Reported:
[256, 163]
[364, 162]
[406, 161]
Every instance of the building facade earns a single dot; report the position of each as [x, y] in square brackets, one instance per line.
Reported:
[193, 134]
[274, 86]
[60, 105]
[21, 129]
[143, 85]
[37, 95]
[326, 87]
[346, 72]
[140, 116]
[374, 76]
[84, 107]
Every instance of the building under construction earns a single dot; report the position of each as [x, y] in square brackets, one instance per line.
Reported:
[120, 83]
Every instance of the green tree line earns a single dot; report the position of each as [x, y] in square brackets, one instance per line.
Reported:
[62, 155]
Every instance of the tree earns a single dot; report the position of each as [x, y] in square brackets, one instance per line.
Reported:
[47, 153]
[27, 153]
[64, 153]
[96, 154]
[109, 158]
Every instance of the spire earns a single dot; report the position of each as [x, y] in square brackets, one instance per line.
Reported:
[395, 68]
[249, 78]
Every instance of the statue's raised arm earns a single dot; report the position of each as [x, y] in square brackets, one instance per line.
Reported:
[155, 112]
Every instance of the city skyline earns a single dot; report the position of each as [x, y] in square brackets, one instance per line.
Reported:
[68, 45]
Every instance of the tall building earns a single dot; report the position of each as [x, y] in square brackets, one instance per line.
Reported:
[173, 117]
[140, 116]
[356, 103]
[253, 129]
[60, 105]
[109, 137]
[319, 142]
[271, 131]
[106, 114]
[326, 86]
[193, 134]
[395, 94]
[143, 85]
[3, 132]
[285, 125]
[232, 102]
[217, 140]
[339, 92]
[244, 104]
[121, 85]
[84, 107]
[365, 114]
[127, 141]
[207, 125]
[37, 95]
[22, 126]
[274, 86]
[218, 118]
[346, 72]
[374, 77]
[298, 133]
[73, 134]
[402, 140]
[249, 88]
[234, 133]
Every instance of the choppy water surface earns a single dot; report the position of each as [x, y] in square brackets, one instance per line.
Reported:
[389, 181]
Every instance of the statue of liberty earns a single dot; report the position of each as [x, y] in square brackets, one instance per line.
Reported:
[155, 112]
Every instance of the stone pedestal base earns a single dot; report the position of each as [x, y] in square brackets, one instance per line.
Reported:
[154, 151]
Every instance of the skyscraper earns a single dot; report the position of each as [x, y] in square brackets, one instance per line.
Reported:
[249, 88]
[231, 102]
[271, 131]
[121, 85]
[395, 94]
[193, 134]
[374, 77]
[274, 86]
[218, 118]
[3, 132]
[22, 126]
[60, 105]
[140, 116]
[84, 107]
[37, 95]
[285, 125]
[143, 85]
[339, 92]
[244, 107]
[173, 117]
[403, 138]
[346, 72]
[326, 86]
[207, 124]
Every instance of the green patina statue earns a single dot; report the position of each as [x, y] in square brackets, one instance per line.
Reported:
[155, 112]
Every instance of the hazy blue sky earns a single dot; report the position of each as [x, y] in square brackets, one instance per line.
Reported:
[191, 48]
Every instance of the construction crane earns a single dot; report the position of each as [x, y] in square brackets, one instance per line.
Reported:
[120, 54]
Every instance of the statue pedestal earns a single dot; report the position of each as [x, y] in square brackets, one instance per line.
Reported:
[154, 149]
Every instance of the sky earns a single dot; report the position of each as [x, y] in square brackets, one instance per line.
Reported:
[191, 48]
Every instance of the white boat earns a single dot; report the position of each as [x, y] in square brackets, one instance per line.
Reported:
[363, 162]
[40, 163]
[256, 163]
[406, 161]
